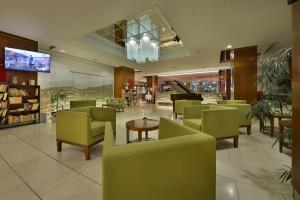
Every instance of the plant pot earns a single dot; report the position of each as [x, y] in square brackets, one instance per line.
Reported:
[53, 116]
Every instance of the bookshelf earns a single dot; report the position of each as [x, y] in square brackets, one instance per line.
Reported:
[22, 105]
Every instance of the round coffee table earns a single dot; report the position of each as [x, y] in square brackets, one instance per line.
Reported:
[141, 125]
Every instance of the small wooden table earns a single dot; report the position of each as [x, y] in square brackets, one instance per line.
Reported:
[285, 124]
[280, 118]
[141, 125]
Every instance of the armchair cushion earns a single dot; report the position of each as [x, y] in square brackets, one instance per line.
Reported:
[194, 123]
[181, 104]
[97, 128]
[82, 103]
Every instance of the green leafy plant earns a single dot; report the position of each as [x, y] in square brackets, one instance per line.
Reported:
[55, 99]
[275, 83]
[286, 175]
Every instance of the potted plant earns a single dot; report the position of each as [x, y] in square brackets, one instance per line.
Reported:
[275, 84]
[55, 99]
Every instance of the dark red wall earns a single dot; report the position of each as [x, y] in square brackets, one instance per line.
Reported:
[13, 41]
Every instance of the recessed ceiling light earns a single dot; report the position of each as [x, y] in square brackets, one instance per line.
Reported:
[163, 29]
[229, 46]
[62, 51]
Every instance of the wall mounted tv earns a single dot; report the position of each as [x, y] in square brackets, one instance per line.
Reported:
[18, 59]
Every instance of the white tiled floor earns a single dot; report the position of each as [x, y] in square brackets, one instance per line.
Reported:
[30, 167]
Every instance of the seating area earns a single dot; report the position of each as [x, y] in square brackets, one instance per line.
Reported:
[83, 126]
[220, 122]
[150, 100]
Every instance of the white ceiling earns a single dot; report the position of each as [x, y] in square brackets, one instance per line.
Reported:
[205, 26]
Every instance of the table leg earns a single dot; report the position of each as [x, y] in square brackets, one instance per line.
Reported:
[272, 127]
[146, 134]
[127, 136]
[140, 136]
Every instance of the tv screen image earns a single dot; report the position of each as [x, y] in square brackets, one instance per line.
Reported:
[18, 59]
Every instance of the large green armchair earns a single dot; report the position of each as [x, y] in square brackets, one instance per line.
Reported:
[82, 103]
[181, 165]
[181, 104]
[243, 110]
[221, 122]
[232, 101]
[83, 126]
[117, 103]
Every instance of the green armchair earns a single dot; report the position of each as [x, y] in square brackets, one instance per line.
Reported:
[181, 104]
[83, 103]
[180, 165]
[83, 126]
[221, 122]
[243, 110]
[117, 103]
[232, 101]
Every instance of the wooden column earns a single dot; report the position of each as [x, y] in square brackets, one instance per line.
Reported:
[228, 83]
[296, 96]
[245, 74]
[121, 76]
[152, 82]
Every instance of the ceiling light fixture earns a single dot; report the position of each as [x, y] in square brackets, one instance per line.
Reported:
[229, 46]
[143, 42]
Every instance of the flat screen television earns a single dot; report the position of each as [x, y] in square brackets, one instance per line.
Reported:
[18, 59]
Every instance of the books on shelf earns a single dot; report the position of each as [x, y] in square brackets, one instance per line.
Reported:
[15, 100]
[3, 88]
[3, 104]
[3, 96]
[3, 112]
[22, 118]
[14, 92]
[36, 91]
[31, 106]
[32, 100]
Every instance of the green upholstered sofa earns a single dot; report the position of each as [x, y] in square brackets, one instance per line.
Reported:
[232, 101]
[218, 121]
[83, 126]
[117, 103]
[83, 103]
[180, 104]
[181, 165]
[243, 110]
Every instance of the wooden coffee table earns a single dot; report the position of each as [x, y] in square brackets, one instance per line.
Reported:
[141, 125]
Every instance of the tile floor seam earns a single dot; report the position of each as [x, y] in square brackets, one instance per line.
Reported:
[58, 161]
[22, 179]
[237, 190]
[57, 186]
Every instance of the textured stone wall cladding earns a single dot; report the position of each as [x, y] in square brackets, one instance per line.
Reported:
[100, 94]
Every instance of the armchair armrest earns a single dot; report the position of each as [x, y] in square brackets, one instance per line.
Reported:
[177, 168]
[194, 111]
[169, 129]
[104, 114]
[73, 127]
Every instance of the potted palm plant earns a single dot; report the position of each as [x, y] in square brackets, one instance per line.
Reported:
[55, 99]
[275, 83]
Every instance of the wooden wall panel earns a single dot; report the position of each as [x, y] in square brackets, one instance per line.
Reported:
[245, 73]
[296, 96]
[121, 76]
[228, 83]
[13, 41]
[152, 82]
